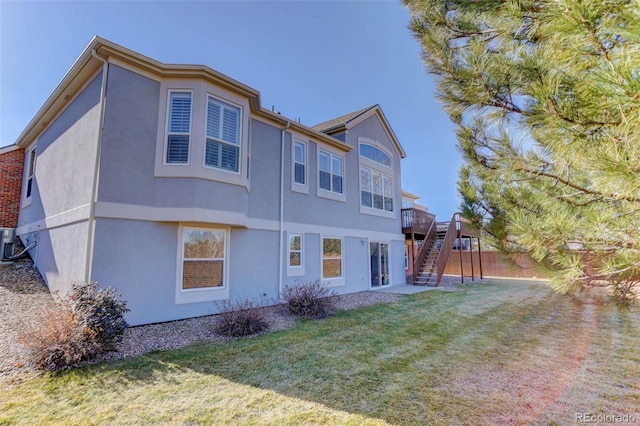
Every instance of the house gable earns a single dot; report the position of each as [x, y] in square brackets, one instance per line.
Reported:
[343, 124]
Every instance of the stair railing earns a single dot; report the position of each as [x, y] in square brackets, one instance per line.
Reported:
[447, 244]
[427, 244]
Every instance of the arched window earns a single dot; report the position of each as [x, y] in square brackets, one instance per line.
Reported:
[375, 154]
[376, 179]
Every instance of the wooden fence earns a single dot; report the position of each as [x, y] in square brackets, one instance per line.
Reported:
[494, 264]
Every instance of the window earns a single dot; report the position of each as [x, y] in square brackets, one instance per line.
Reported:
[31, 170]
[295, 251]
[299, 163]
[178, 127]
[331, 258]
[223, 135]
[376, 190]
[203, 257]
[375, 154]
[330, 172]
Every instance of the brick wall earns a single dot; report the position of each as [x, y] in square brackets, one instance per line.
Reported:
[11, 167]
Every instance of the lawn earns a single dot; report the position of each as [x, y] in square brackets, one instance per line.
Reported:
[494, 353]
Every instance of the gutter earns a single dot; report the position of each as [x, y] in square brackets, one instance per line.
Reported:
[96, 169]
[281, 233]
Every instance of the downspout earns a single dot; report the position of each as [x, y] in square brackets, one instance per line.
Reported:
[96, 169]
[281, 251]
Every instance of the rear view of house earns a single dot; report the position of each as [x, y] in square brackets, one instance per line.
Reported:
[173, 184]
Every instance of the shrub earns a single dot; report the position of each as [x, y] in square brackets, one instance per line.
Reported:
[55, 339]
[89, 321]
[309, 300]
[101, 311]
[240, 318]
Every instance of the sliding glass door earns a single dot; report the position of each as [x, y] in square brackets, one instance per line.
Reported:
[379, 254]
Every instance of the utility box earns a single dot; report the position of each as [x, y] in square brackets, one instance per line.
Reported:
[8, 238]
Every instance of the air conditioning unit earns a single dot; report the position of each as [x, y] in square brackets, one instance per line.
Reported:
[7, 240]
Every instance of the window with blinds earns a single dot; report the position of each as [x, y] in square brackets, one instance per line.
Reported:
[222, 150]
[300, 163]
[178, 127]
[330, 172]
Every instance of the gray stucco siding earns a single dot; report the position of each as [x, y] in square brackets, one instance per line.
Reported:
[140, 259]
[60, 255]
[264, 170]
[310, 208]
[129, 138]
[65, 161]
[128, 154]
[253, 265]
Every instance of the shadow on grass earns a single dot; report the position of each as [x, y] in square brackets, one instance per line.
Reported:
[395, 362]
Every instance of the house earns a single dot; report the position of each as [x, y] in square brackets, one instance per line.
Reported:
[173, 184]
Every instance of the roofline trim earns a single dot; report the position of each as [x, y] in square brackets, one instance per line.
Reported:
[86, 65]
[8, 148]
[366, 114]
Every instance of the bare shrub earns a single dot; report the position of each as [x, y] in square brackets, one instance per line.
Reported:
[86, 323]
[309, 300]
[240, 318]
[101, 311]
[56, 339]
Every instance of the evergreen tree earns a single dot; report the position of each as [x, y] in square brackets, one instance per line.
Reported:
[546, 99]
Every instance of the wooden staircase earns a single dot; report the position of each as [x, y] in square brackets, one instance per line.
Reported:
[427, 274]
[431, 259]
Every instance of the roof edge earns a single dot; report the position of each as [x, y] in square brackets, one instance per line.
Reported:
[8, 148]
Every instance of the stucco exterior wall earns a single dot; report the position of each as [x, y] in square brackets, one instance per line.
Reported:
[140, 259]
[128, 155]
[57, 212]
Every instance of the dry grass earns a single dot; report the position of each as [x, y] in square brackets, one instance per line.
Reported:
[504, 353]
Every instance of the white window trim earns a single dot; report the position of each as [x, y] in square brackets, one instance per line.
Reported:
[204, 145]
[388, 171]
[295, 271]
[295, 186]
[332, 281]
[31, 152]
[197, 295]
[166, 128]
[372, 210]
[323, 193]
[201, 89]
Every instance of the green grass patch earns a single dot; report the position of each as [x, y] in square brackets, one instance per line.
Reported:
[489, 353]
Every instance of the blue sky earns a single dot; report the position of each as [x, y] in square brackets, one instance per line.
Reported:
[312, 60]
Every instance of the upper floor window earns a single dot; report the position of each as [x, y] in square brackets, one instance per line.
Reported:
[223, 135]
[178, 127]
[376, 179]
[375, 154]
[31, 171]
[330, 172]
[300, 163]
[376, 189]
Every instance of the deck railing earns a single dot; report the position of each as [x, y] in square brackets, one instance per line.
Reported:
[418, 221]
[447, 245]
